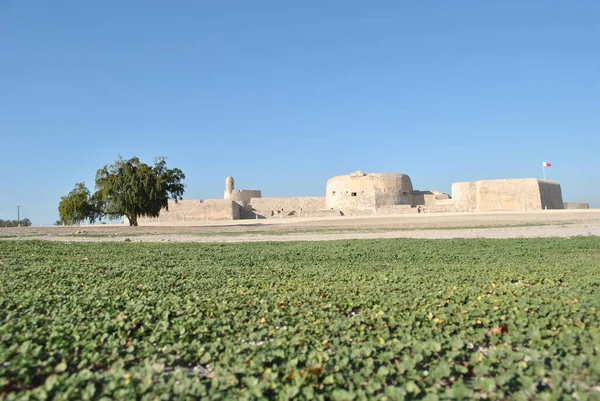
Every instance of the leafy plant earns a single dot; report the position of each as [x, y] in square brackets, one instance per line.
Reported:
[347, 320]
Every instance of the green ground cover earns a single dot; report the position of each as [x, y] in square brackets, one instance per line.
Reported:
[381, 319]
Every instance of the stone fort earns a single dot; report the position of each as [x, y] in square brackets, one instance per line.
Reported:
[369, 194]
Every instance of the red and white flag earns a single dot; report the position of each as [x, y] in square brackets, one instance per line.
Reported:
[546, 164]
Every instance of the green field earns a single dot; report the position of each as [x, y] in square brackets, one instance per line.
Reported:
[382, 319]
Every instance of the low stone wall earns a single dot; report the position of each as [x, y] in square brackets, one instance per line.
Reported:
[448, 208]
[446, 202]
[396, 209]
[186, 211]
[428, 198]
[247, 214]
[267, 208]
[423, 198]
[575, 205]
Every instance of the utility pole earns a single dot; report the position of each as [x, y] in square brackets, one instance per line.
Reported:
[18, 215]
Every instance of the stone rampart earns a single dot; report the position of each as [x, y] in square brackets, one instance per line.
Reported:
[423, 198]
[576, 205]
[360, 194]
[464, 193]
[444, 202]
[267, 208]
[396, 209]
[517, 194]
[445, 208]
[500, 195]
[550, 194]
[428, 198]
[186, 211]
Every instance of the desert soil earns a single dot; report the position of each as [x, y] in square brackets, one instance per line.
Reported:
[554, 223]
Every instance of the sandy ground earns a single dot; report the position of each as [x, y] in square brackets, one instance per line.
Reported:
[554, 223]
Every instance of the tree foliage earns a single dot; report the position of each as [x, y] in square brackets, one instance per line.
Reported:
[77, 206]
[127, 188]
[15, 223]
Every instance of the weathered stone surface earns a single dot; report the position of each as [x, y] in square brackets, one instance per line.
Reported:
[576, 205]
[510, 194]
[244, 196]
[463, 193]
[195, 210]
[368, 191]
[265, 208]
[428, 198]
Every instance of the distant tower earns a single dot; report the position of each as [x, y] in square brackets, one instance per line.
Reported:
[229, 187]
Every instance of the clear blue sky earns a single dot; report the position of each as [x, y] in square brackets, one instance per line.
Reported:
[284, 94]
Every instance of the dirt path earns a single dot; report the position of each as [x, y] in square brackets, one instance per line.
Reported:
[501, 232]
[561, 223]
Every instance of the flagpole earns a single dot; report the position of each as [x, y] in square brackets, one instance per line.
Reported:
[544, 169]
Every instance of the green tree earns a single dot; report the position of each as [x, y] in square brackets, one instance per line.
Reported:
[77, 206]
[16, 223]
[127, 188]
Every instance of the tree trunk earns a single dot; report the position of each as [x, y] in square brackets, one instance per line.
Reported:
[132, 221]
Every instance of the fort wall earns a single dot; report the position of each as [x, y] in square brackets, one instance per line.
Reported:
[194, 210]
[446, 208]
[575, 205]
[423, 198]
[360, 194]
[243, 196]
[428, 198]
[266, 208]
[551, 194]
[507, 195]
[517, 194]
[511, 194]
[396, 209]
[464, 193]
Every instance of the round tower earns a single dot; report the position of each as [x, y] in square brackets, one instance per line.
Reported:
[229, 187]
[360, 190]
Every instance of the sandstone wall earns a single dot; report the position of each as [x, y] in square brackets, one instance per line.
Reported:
[187, 211]
[247, 213]
[397, 209]
[428, 198]
[266, 208]
[495, 195]
[444, 202]
[464, 194]
[551, 194]
[422, 198]
[517, 194]
[448, 207]
[360, 190]
[219, 209]
[576, 205]
[243, 196]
